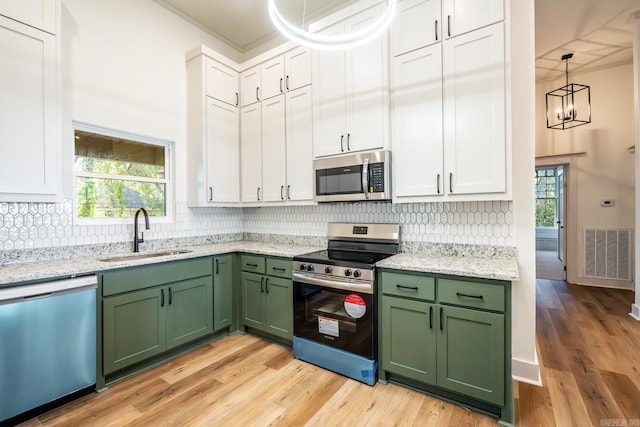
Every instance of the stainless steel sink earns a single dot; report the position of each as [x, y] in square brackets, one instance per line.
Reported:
[145, 255]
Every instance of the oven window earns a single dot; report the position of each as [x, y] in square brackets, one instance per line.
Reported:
[344, 180]
[337, 318]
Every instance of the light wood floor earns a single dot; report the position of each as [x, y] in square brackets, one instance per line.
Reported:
[588, 344]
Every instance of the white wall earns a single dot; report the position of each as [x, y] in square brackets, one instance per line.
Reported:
[604, 171]
[522, 52]
[123, 67]
[635, 308]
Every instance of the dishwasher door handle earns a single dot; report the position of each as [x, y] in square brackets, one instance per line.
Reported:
[47, 289]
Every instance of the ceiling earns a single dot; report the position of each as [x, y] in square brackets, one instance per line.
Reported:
[597, 32]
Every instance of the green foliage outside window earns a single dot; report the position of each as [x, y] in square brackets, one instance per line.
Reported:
[545, 188]
[115, 177]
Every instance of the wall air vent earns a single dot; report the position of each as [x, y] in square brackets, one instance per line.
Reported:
[607, 253]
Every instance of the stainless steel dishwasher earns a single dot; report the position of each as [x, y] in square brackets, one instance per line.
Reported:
[47, 342]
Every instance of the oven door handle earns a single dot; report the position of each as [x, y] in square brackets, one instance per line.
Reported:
[365, 178]
[365, 288]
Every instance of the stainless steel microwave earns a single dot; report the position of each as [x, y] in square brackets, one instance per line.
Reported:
[354, 177]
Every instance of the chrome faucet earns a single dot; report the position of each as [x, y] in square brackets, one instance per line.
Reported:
[137, 240]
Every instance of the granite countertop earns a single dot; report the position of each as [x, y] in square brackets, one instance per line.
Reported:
[485, 268]
[13, 274]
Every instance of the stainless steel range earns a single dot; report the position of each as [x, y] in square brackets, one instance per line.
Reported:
[335, 299]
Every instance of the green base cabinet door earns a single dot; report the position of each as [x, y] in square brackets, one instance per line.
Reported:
[253, 300]
[222, 292]
[279, 307]
[470, 348]
[189, 310]
[409, 338]
[133, 328]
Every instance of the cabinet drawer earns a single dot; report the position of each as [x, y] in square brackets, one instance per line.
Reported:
[252, 263]
[135, 278]
[471, 294]
[407, 285]
[279, 267]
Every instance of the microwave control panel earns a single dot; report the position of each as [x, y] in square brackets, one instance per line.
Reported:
[376, 178]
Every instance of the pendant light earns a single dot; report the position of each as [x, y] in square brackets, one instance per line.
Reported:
[570, 105]
[331, 42]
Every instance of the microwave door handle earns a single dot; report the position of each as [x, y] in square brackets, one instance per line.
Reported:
[365, 178]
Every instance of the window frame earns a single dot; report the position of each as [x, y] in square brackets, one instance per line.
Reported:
[555, 192]
[168, 180]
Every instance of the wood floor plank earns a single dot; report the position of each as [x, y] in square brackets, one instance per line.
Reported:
[588, 345]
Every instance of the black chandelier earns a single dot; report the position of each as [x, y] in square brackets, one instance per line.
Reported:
[570, 105]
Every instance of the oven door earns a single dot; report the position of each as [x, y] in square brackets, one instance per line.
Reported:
[339, 318]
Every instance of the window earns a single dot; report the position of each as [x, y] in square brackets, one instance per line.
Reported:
[545, 197]
[116, 173]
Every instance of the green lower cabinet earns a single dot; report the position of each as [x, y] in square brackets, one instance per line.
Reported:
[279, 307]
[471, 354]
[409, 338]
[133, 328]
[139, 325]
[222, 292]
[267, 304]
[189, 311]
[253, 300]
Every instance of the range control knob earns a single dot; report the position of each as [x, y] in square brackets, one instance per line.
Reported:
[310, 267]
[347, 272]
[328, 270]
[303, 267]
[356, 273]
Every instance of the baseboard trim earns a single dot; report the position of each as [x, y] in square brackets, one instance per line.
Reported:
[635, 311]
[526, 371]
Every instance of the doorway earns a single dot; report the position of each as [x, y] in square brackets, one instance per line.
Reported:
[551, 233]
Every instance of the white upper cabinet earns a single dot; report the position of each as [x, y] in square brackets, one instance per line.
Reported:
[417, 123]
[299, 122]
[351, 110]
[274, 178]
[250, 86]
[222, 82]
[213, 138]
[462, 16]
[29, 113]
[222, 152]
[417, 23]
[297, 65]
[286, 72]
[251, 136]
[474, 111]
[39, 14]
[272, 75]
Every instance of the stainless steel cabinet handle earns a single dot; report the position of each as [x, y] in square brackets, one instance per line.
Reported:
[281, 85]
[438, 184]
[341, 139]
[287, 84]
[365, 178]
[348, 138]
[449, 25]
[451, 182]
